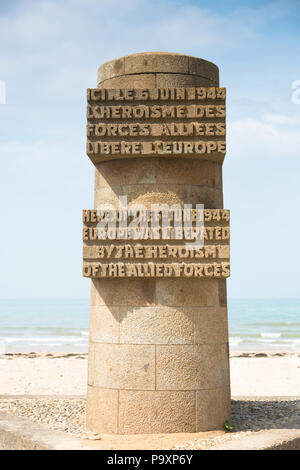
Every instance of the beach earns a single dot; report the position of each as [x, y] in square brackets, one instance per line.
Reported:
[48, 389]
[44, 361]
[259, 374]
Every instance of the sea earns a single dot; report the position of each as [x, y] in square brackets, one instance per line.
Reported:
[62, 325]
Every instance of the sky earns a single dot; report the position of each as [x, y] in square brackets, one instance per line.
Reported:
[49, 54]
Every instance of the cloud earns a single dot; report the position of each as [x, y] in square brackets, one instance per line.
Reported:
[281, 119]
[267, 138]
[77, 31]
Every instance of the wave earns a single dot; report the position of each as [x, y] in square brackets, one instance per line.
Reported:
[234, 341]
[270, 335]
[259, 343]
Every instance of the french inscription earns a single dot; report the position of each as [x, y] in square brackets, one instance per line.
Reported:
[191, 124]
[155, 94]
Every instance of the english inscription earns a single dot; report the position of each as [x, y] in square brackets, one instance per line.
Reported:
[120, 256]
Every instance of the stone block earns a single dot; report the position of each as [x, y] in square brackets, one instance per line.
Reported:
[125, 172]
[91, 363]
[210, 325]
[107, 195]
[190, 367]
[187, 292]
[145, 80]
[121, 292]
[124, 366]
[189, 172]
[113, 68]
[102, 410]
[156, 412]
[222, 292]
[172, 80]
[204, 68]
[156, 62]
[156, 325]
[104, 324]
[212, 198]
[213, 409]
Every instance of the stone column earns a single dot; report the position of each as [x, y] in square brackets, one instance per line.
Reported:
[158, 354]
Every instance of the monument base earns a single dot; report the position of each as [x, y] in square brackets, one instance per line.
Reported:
[159, 361]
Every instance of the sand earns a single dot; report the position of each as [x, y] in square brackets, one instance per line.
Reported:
[41, 374]
[60, 374]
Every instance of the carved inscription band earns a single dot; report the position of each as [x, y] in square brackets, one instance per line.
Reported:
[118, 255]
[192, 124]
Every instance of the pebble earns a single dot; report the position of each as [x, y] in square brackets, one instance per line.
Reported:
[67, 415]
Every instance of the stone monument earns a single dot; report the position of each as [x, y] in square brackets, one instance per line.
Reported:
[158, 351]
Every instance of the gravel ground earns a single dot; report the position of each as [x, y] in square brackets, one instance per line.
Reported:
[251, 416]
[68, 415]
